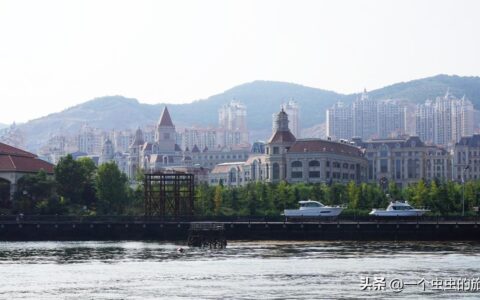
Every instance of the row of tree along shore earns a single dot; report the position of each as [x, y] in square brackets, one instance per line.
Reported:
[79, 188]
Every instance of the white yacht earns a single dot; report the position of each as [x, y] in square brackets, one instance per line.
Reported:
[400, 209]
[310, 208]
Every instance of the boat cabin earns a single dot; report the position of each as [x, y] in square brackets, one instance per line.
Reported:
[310, 203]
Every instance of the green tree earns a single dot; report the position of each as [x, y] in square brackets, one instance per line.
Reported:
[217, 199]
[112, 189]
[89, 169]
[420, 194]
[282, 197]
[69, 177]
[353, 194]
[33, 189]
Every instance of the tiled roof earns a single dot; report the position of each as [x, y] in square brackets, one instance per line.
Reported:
[7, 149]
[282, 137]
[251, 158]
[226, 167]
[472, 141]
[138, 139]
[412, 141]
[16, 160]
[165, 119]
[318, 145]
[147, 146]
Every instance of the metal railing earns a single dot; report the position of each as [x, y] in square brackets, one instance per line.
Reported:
[224, 219]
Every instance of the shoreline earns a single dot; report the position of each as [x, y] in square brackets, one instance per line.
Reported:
[390, 230]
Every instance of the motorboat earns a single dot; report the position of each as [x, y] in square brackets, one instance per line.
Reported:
[310, 208]
[400, 209]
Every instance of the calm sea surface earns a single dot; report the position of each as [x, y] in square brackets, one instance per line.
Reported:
[245, 270]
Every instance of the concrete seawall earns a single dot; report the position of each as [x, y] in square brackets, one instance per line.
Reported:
[386, 230]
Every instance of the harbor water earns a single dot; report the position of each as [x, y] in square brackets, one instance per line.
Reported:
[244, 270]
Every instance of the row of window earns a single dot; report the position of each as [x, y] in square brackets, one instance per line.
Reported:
[316, 174]
[316, 163]
[206, 157]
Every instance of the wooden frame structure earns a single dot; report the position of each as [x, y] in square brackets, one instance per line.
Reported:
[169, 194]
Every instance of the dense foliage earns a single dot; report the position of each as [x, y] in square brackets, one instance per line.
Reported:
[263, 199]
[80, 188]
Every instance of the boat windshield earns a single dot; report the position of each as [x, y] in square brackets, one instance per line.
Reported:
[403, 207]
[310, 204]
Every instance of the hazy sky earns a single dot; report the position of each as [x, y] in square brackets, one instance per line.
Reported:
[55, 54]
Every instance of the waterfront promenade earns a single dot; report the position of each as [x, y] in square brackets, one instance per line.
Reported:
[36, 228]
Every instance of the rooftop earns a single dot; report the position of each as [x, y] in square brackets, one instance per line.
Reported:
[17, 160]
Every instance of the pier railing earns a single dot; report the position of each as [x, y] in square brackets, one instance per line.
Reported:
[223, 219]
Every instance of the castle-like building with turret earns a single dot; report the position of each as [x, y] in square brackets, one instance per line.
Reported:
[163, 152]
[287, 158]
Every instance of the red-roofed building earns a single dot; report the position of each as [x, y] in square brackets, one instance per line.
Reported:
[16, 163]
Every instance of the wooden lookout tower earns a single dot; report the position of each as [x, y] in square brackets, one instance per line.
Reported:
[169, 194]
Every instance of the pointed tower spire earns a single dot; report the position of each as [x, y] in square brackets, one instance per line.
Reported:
[165, 119]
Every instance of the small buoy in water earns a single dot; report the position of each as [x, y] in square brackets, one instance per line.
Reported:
[181, 250]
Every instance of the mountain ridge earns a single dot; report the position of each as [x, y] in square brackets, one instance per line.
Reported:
[262, 98]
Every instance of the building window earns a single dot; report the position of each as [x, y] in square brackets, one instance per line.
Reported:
[384, 151]
[314, 174]
[275, 150]
[297, 174]
[327, 163]
[275, 171]
[314, 163]
[398, 169]
[296, 164]
[383, 166]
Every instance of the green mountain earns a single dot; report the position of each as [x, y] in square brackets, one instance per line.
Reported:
[262, 98]
[419, 90]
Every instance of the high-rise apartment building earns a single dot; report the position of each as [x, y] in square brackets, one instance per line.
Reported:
[232, 119]
[200, 137]
[446, 120]
[424, 123]
[391, 118]
[340, 121]
[367, 119]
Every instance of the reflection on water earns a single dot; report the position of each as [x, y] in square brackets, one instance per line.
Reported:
[245, 270]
